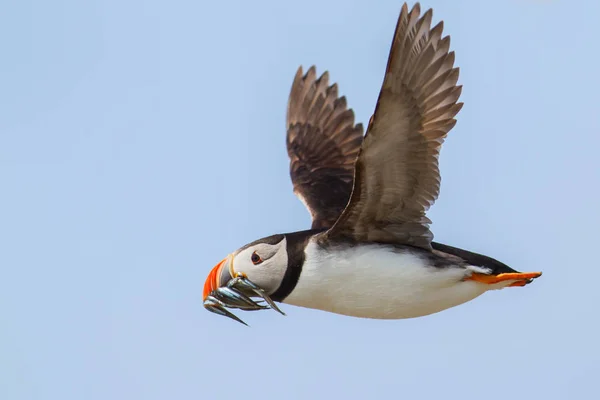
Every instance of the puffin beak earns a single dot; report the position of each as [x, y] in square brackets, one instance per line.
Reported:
[215, 278]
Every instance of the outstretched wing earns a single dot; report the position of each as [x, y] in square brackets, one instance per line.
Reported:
[397, 176]
[322, 143]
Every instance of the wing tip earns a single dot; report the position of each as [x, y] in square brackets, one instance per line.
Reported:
[313, 100]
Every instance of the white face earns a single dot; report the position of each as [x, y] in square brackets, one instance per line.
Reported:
[264, 264]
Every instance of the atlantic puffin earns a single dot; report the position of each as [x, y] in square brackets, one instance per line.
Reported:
[369, 252]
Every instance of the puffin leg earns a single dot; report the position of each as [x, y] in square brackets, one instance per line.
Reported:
[519, 283]
[520, 278]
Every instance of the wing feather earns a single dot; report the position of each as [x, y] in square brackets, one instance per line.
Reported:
[397, 174]
[322, 143]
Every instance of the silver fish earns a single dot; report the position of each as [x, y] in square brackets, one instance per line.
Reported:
[214, 305]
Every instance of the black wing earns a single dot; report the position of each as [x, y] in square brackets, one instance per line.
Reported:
[322, 143]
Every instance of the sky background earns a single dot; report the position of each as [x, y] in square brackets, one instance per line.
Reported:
[142, 141]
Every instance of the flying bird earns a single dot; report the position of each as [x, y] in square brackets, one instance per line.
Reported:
[369, 252]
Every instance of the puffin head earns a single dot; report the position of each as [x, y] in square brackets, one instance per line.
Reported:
[264, 262]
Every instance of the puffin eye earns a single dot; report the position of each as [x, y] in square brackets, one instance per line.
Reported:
[256, 259]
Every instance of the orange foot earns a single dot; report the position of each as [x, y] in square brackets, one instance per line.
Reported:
[520, 278]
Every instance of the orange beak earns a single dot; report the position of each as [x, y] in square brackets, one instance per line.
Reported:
[213, 281]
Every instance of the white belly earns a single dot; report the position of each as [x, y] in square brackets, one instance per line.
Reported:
[371, 281]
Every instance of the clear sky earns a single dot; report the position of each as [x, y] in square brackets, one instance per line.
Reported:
[142, 141]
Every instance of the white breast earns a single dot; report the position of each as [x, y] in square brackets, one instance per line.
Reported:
[373, 281]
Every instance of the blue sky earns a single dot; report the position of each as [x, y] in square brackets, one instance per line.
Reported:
[142, 141]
